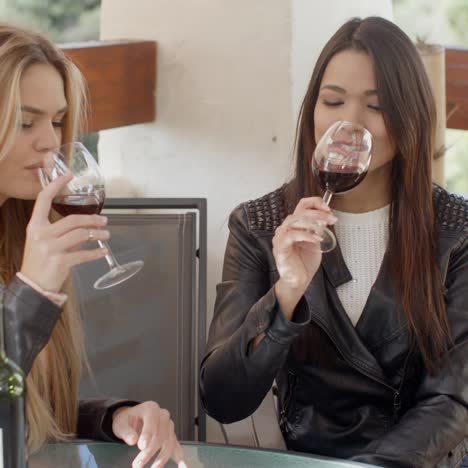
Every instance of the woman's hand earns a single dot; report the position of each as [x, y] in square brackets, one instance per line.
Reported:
[53, 248]
[296, 248]
[151, 428]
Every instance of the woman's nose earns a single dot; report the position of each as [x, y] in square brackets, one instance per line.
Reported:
[352, 134]
[353, 113]
[48, 138]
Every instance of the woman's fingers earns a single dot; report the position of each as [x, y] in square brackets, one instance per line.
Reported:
[78, 237]
[296, 243]
[314, 215]
[310, 221]
[312, 203]
[148, 442]
[40, 214]
[289, 237]
[178, 455]
[84, 256]
[296, 228]
[157, 434]
[72, 222]
[126, 425]
[315, 226]
[167, 449]
[151, 417]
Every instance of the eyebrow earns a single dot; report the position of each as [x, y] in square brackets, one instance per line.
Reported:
[338, 89]
[34, 110]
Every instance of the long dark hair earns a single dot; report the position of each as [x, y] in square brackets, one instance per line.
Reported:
[408, 106]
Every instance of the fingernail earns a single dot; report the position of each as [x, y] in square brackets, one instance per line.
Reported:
[143, 444]
[104, 251]
[182, 465]
[103, 219]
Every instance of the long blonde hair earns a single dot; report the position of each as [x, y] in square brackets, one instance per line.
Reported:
[52, 384]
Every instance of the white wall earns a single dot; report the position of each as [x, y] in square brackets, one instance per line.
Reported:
[313, 23]
[230, 79]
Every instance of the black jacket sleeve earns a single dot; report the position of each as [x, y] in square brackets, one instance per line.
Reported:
[29, 319]
[95, 418]
[234, 381]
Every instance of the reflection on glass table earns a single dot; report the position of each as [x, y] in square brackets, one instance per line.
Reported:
[112, 455]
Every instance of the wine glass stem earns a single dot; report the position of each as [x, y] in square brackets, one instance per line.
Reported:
[327, 196]
[111, 260]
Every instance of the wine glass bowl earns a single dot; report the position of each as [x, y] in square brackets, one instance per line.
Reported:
[342, 157]
[84, 194]
[339, 163]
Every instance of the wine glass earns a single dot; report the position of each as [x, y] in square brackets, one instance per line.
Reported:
[340, 162]
[84, 194]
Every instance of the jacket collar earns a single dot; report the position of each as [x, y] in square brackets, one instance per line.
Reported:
[380, 321]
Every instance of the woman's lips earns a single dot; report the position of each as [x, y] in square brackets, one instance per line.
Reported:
[35, 166]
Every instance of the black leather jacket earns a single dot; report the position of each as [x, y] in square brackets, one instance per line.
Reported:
[373, 401]
[29, 319]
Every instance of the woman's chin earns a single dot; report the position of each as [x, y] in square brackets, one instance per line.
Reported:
[30, 194]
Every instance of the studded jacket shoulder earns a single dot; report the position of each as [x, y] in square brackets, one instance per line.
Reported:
[266, 213]
[451, 211]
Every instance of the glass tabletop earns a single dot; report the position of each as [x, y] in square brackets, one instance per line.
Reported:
[113, 455]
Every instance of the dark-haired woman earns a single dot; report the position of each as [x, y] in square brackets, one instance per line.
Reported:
[368, 343]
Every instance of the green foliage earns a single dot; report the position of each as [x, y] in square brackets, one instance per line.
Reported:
[457, 14]
[63, 20]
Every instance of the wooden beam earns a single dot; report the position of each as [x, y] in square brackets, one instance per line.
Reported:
[121, 78]
[456, 69]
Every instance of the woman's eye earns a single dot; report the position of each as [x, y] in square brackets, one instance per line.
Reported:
[58, 124]
[26, 125]
[374, 107]
[332, 103]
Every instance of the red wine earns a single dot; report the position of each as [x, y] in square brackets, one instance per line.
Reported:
[339, 182]
[90, 203]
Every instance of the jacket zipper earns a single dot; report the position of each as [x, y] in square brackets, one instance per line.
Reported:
[396, 406]
[291, 385]
[397, 393]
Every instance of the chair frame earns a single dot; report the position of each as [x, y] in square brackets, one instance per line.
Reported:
[199, 204]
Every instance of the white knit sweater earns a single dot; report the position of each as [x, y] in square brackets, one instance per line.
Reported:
[363, 239]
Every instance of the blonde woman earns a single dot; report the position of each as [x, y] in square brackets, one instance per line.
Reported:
[41, 107]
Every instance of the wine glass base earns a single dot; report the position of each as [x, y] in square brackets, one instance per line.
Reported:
[118, 275]
[328, 242]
